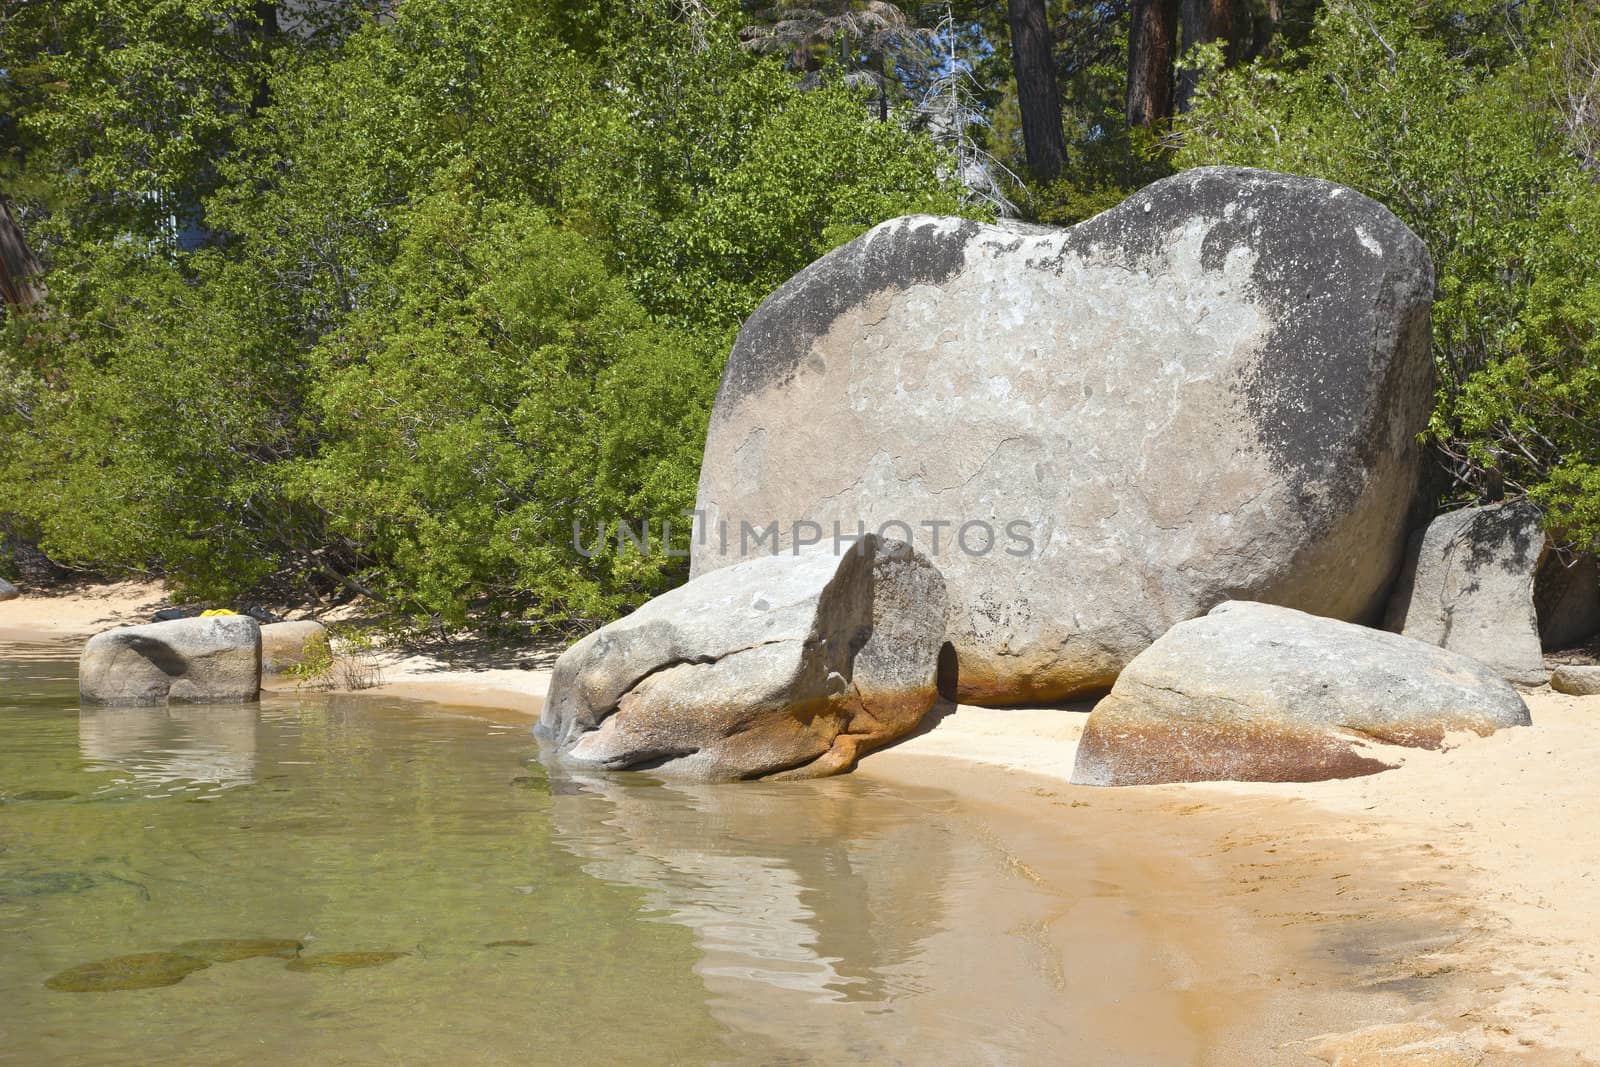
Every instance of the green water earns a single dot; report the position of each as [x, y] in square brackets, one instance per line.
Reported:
[344, 824]
[457, 903]
[538, 920]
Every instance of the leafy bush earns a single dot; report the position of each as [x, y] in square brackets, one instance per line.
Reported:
[504, 387]
[467, 275]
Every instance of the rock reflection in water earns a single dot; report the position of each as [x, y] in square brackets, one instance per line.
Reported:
[798, 894]
[171, 748]
[846, 921]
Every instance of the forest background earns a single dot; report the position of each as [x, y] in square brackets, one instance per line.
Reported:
[322, 298]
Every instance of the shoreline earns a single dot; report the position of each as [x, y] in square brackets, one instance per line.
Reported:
[1500, 826]
[1488, 842]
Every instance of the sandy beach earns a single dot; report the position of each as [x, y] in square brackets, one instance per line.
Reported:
[1479, 860]
[1492, 839]
[80, 611]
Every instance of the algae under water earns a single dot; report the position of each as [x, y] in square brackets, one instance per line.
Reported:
[522, 915]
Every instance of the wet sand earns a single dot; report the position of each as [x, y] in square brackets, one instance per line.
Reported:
[1453, 902]
[1287, 938]
[1468, 879]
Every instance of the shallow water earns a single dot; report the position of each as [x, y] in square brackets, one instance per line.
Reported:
[508, 915]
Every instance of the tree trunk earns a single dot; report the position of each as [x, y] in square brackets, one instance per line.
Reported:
[18, 265]
[1264, 30]
[266, 31]
[1033, 59]
[1152, 47]
[1205, 21]
[880, 69]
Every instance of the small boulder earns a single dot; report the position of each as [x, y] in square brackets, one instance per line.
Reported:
[8, 591]
[1254, 692]
[1468, 587]
[782, 666]
[193, 661]
[294, 644]
[1577, 681]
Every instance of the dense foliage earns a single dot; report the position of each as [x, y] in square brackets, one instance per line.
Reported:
[388, 304]
[384, 297]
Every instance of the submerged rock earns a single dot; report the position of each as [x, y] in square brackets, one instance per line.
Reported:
[36, 883]
[214, 660]
[1211, 391]
[44, 794]
[144, 970]
[231, 949]
[1254, 692]
[786, 666]
[294, 644]
[1578, 681]
[1468, 587]
[343, 961]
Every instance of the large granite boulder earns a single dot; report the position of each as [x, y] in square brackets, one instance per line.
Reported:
[1468, 586]
[784, 666]
[8, 591]
[1255, 692]
[214, 660]
[1212, 391]
[285, 645]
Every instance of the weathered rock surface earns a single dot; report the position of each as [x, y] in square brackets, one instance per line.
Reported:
[1578, 681]
[213, 660]
[1254, 692]
[787, 666]
[8, 591]
[1468, 587]
[293, 644]
[1566, 598]
[1212, 391]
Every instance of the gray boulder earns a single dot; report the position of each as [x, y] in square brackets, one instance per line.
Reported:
[1578, 681]
[214, 660]
[1212, 391]
[1468, 587]
[1254, 692]
[785, 666]
[294, 644]
[8, 591]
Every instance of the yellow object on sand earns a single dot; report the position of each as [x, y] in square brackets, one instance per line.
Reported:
[217, 611]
